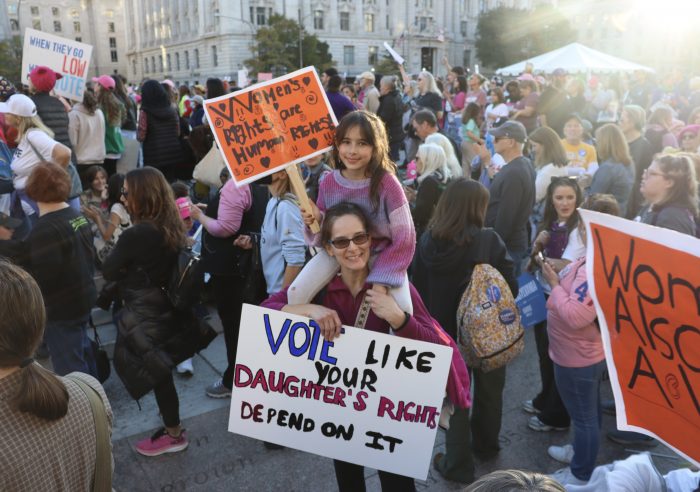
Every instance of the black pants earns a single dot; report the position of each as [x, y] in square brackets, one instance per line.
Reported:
[168, 402]
[110, 166]
[351, 478]
[548, 402]
[228, 294]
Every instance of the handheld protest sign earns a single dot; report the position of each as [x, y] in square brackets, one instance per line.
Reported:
[645, 283]
[366, 397]
[64, 56]
[300, 191]
[273, 124]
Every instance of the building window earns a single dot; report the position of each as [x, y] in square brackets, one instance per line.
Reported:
[57, 26]
[36, 24]
[153, 63]
[74, 13]
[318, 19]
[257, 15]
[12, 9]
[55, 12]
[369, 22]
[145, 65]
[169, 65]
[372, 58]
[214, 56]
[463, 28]
[79, 39]
[14, 24]
[112, 42]
[349, 55]
[110, 26]
[133, 66]
[422, 23]
[345, 21]
[387, 23]
[76, 26]
[109, 14]
[196, 58]
[467, 58]
[177, 61]
[34, 9]
[187, 60]
[160, 63]
[114, 56]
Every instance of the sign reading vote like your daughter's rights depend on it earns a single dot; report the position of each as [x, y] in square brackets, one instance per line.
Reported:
[365, 397]
[268, 126]
[64, 56]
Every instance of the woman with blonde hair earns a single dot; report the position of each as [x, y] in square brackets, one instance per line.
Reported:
[37, 407]
[616, 172]
[433, 176]
[451, 158]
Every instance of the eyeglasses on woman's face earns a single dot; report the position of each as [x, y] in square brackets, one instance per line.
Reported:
[343, 242]
[124, 192]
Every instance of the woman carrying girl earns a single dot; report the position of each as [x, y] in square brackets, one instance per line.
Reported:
[363, 175]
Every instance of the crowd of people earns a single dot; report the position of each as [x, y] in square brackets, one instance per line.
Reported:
[427, 177]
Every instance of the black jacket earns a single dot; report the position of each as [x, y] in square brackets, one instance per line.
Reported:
[442, 270]
[391, 112]
[511, 201]
[152, 338]
[53, 113]
[161, 146]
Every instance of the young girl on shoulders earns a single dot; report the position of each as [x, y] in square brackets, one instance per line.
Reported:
[365, 175]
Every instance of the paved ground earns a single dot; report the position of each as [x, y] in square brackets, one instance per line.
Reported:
[218, 460]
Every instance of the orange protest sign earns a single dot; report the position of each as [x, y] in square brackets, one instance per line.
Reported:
[646, 287]
[268, 126]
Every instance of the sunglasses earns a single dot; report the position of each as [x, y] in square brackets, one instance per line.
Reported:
[343, 242]
[124, 192]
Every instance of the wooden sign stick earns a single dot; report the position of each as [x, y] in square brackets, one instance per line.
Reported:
[300, 191]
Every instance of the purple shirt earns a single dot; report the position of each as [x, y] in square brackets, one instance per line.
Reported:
[340, 104]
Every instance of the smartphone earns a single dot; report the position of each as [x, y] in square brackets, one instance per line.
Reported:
[540, 258]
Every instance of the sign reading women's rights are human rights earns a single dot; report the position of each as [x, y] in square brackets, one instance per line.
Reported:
[64, 56]
[365, 397]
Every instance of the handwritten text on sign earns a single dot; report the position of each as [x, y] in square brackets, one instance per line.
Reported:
[69, 58]
[267, 126]
[647, 291]
[366, 398]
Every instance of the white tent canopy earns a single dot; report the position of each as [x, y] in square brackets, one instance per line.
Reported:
[574, 58]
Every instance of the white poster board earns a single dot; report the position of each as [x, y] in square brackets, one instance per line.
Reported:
[69, 58]
[366, 398]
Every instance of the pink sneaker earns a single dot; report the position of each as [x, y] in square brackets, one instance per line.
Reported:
[161, 442]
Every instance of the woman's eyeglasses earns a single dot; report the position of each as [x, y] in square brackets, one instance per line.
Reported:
[124, 192]
[343, 242]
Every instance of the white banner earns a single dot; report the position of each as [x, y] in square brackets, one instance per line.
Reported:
[366, 398]
[69, 58]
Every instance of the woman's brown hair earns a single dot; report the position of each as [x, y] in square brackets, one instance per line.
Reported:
[22, 318]
[151, 200]
[374, 132]
[550, 213]
[611, 144]
[337, 211]
[48, 183]
[112, 107]
[460, 210]
[552, 150]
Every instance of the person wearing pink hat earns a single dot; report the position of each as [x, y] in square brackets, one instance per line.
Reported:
[115, 114]
[54, 114]
[689, 138]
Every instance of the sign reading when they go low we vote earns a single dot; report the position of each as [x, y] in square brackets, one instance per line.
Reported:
[366, 397]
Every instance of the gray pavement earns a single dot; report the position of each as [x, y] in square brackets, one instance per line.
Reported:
[218, 460]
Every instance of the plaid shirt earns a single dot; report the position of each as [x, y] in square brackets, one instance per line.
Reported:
[36, 454]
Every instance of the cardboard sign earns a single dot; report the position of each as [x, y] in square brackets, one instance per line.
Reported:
[272, 124]
[531, 302]
[65, 56]
[645, 282]
[263, 76]
[366, 398]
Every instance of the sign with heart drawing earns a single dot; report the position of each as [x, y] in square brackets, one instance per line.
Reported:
[268, 126]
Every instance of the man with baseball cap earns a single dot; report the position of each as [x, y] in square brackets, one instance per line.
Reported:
[512, 190]
[369, 95]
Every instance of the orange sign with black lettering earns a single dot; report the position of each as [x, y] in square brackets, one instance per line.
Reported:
[268, 126]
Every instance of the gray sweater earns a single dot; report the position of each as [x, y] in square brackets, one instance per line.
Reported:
[616, 179]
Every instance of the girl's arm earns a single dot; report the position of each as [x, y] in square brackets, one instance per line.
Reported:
[106, 230]
[232, 205]
[575, 307]
[143, 126]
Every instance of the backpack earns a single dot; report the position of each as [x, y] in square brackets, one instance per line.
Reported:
[489, 333]
[186, 281]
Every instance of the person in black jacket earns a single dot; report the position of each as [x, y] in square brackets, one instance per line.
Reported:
[54, 114]
[60, 256]
[391, 112]
[159, 129]
[512, 191]
[456, 241]
[433, 176]
[152, 337]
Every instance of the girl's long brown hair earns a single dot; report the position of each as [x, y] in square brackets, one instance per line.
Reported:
[22, 318]
[461, 209]
[374, 132]
[111, 106]
[151, 200]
